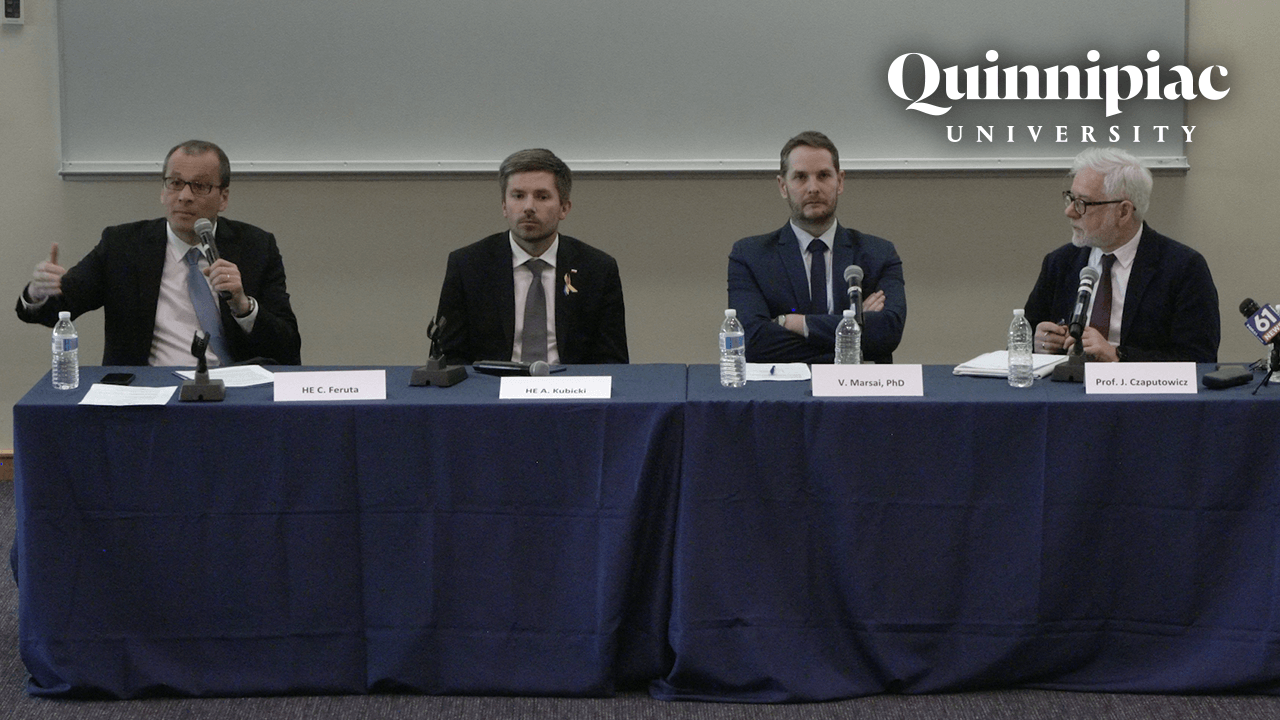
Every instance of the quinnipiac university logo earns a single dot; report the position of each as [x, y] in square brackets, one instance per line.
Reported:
[932, 90]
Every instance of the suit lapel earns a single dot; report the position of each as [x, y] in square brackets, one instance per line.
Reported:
[566, 257]
[843, 254]
[228, 243]
[150, 264]
[1145, 263]
[788, 254]
[503, 288]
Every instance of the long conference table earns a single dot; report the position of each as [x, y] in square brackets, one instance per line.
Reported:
[748, 545]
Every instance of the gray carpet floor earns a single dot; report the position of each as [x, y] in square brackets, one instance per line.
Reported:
[1010, 705]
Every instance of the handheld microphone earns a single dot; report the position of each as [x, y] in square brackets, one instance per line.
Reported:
[537, 368]
[1263, 322]
[853, 276]
[1084, 297]
[204, 229]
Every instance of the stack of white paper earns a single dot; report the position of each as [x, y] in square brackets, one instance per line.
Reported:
[996, 364]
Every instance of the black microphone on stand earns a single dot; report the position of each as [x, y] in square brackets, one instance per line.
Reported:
[204, 229]
[853, 276]
[1084, 297]
[1073, 369]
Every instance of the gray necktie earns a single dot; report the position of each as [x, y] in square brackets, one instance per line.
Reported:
[206, 309]
[533, 337]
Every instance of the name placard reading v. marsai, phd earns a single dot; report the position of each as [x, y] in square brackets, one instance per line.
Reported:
[867, 380]
[331, 385]
[556, 388]
[1140, 378]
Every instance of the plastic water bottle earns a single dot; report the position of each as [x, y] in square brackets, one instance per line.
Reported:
[66, 354]
[733, 351]
[1021, 344]
[849, 340]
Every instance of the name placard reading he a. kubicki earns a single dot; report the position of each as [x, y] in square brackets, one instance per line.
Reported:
[556, 388]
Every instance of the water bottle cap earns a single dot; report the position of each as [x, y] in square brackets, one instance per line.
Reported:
[730, 312]
[64, 314]
[850, 313]
[1018, 312]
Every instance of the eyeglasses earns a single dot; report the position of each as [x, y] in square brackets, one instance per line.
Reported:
[1082, 205]
[174, 184]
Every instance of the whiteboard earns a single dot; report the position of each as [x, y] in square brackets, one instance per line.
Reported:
[413, 86]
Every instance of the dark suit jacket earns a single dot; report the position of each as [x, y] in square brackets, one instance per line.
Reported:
[477, 304]
[1170, 305]
[767, 279]
[122, 276]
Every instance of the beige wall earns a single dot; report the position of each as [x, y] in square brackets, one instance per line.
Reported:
[366, 258]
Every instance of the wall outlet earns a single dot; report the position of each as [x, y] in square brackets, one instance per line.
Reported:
[12, 12]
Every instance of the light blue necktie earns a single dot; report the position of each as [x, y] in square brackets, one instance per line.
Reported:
[206, 309]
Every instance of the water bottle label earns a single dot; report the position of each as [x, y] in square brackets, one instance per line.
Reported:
[732, 342]
[69, 344]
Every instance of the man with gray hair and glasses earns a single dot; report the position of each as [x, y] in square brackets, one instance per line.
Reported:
[1155, 300]
[159, 282]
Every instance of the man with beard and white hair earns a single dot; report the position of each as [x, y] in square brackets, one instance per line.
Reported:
[530, 293]
[1154, 301]
[788, 286]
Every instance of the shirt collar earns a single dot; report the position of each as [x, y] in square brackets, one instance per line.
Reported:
[520, 257]
[1124, 254]
[178, 248]
[828, 238]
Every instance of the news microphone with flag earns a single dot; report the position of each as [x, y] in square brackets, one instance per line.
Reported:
[853, 276]
[204, 229]
[1084, 297]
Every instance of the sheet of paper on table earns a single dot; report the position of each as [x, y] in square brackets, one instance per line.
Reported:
[996, 364]
[234, 376]
[778, 371]
[121, 395]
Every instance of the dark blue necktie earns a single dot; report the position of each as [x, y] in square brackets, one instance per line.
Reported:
[818, 276]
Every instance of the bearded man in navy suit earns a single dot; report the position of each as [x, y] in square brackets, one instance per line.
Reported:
[788, 311]
[492, 287]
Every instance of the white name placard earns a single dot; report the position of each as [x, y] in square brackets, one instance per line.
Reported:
[331, 385]
[867, 380]
[556, 388]
[1139, 378]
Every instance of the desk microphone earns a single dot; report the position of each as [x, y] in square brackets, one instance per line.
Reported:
[537, 368]
[204, 229]
[1084, 297]
[853, 276]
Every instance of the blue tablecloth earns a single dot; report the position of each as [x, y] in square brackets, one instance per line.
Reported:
[440, 541]
[979, 536]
